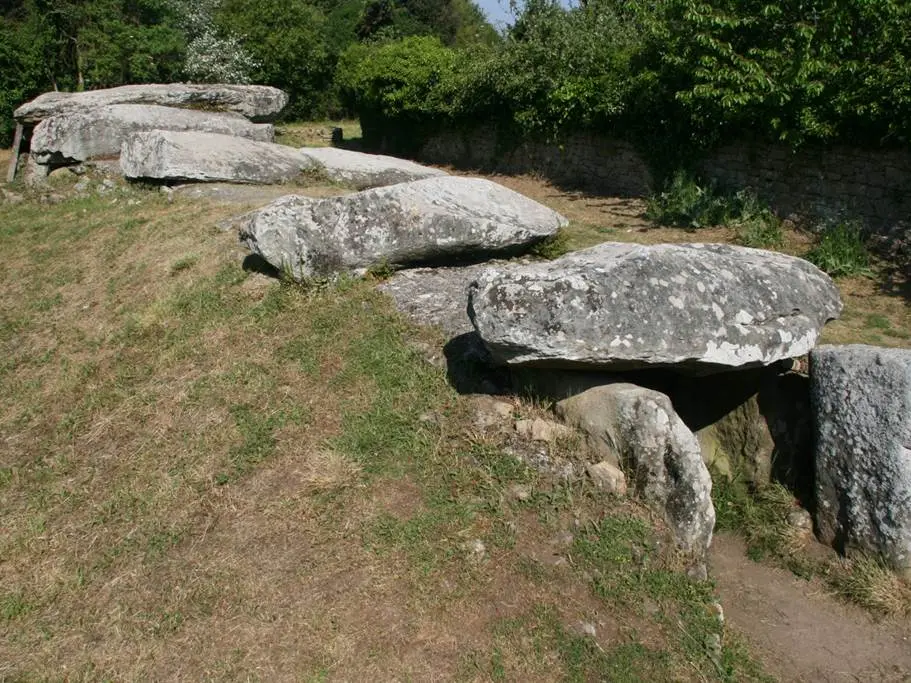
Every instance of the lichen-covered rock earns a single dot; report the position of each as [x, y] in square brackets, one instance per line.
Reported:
[764, 435]
[255, 102]
[209, 157]
[77, 136]
[607, 477]
[621, 306]
[435, 296]
[862, 407]
[639, 429]
[433, 220]
[363, 171]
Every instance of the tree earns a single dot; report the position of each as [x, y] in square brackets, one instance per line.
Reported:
[212, 56]
[793, 69]
[287, 38]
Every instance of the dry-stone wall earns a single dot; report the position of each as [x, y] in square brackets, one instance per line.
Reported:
[875, 185]
[872, 184]
[589, 162]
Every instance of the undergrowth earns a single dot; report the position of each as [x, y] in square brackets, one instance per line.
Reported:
[684, 203]
[842, 250]
[552, 247]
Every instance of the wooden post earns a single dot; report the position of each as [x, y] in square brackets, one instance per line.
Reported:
[14, 159]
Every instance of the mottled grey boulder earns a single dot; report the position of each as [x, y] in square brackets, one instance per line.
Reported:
[435, 296]
[433, 220]
[623, 306]
[638, 429]
[363, 171]
[74, 137]
[211, 157]
[861, 399]
[255, 102]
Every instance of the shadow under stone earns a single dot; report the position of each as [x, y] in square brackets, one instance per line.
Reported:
[254, 263]
[469, 367]
[761, 416]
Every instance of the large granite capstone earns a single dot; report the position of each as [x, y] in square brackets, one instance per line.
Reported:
[435, 220]
[706, 307]
[98, 133]
[209, 157]
[255, 102]
[362, 171]
[861, 398]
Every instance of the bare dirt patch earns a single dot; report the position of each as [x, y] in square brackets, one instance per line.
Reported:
[804, 633]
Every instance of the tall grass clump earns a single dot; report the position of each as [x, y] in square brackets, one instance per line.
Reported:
[842, 250]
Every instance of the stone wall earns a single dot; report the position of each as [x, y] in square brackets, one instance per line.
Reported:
[585, 162]
[871, 184]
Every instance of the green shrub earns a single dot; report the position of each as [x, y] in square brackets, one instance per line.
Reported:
[686, 204]
[841, 250]
[790, 70]
[396, 87]
[758, 226]
[552, 247]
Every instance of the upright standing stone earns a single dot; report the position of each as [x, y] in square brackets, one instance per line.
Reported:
[639, 429]
[861, 399]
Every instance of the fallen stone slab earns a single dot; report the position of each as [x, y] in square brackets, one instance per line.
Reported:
[436, 220]
[637, 429]
[74, 137]
[861, 397]
[255, 102]
[167, 155]
[363, 171]
[436, 297]
[702, 307]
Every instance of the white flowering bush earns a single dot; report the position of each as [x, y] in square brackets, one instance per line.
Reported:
[212, 57]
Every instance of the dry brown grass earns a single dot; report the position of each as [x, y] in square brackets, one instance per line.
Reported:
[207, 475]
[865, 581]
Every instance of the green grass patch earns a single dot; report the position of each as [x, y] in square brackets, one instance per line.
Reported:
[620, 555]
[554, 246]
[761, 518]
[841, 250]
[14, 605]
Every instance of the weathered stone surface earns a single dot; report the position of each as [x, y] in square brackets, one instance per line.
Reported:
[607, 477]
[255, 102]
[617, 306]
[587, 412]
[435, 296]
[74, 137]
[862, 407]
[542, 430]
[363, 171]
[209, 157]
[766, 434]
[249, 196]
[658, 452]
[432, 220]
[491, 412]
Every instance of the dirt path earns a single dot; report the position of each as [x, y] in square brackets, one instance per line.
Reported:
[800, 632]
